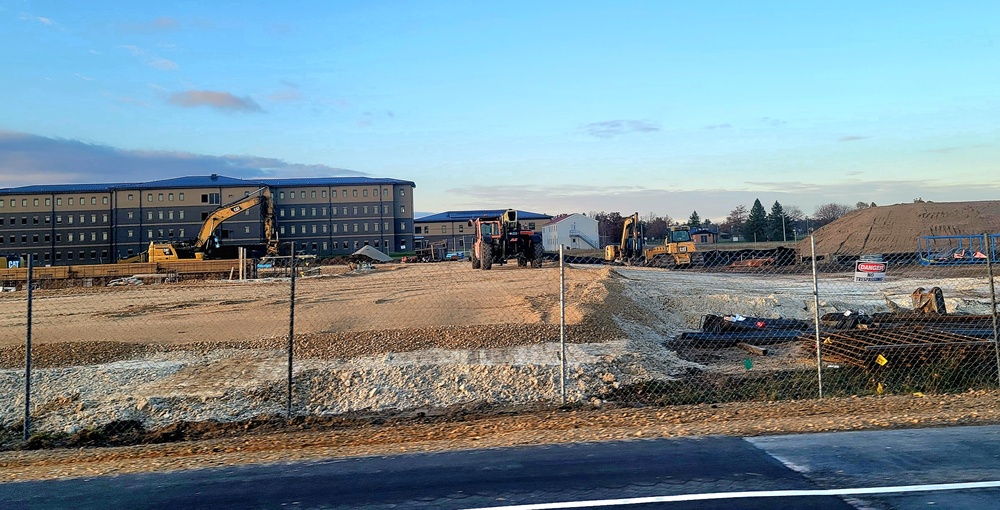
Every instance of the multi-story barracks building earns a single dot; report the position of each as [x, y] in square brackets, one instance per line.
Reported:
[69, 224]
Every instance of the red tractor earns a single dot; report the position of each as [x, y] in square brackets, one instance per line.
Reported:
[500, 238]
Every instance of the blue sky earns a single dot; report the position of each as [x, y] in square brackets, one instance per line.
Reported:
[663, 107]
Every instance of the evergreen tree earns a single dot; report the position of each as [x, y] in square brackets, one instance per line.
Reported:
[755, 228]
[694, 221]
[778, 224]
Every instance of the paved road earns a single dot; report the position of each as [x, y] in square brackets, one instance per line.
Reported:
[641, 471]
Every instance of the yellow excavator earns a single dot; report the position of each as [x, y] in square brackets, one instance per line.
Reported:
[630, 250]
[675, 252]
[162, 251]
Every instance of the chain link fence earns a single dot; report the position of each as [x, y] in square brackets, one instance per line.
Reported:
[346, 339]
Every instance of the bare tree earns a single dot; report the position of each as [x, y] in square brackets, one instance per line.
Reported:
[794, 213]
[828, 212]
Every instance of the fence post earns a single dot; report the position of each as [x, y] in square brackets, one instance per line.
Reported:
[291, 330]
[819, 341]
[27, 356]
[990, 250]
[562, 326]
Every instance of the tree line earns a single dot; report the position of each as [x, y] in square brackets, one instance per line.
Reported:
[781, 223]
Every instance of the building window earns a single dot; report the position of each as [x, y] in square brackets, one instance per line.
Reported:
[355, 227]
[293, 229]
[129, 216]
[149, 216]
[104, 200]
[461, 228]
[323, 211]
[180, 233]
[402, 192]
[325, 229]
[129, 197]
[93, 200]
[281, 195]
[282, 230]
[93, 218]
[291, 194]
[333, 193]
[170, 197]
[385, 192]
[313, 211]
[366, 210]
[170, 215]
[104, 218]
[104, 236]
[312, 193]
[128, 234]
[246, 230]
[402, 226]
[180, 196]
[385, 226]
[355, 210]
[292, 212]
[344, 210]
[69, 237]
[281, 213]
[402, 209]
[376, 226]
[180, 215]
[354, 193]
[210, 198]
[303, 212]
[444, 229]
[385, 209]
[334, 226]
[366, 226]
[364, 192]
[149, 198]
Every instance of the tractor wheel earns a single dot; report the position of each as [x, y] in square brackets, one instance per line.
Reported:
[486, 252]
[539, 254]
[475, 260]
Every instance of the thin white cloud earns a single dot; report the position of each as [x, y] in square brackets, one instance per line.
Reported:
[151, 60]
[37, 19]
[613, 128]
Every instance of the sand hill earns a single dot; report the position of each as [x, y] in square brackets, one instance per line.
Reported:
[895, 228]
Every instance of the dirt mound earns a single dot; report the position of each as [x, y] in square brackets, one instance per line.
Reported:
[895, 228]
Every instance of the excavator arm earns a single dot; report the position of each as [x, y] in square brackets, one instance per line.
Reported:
[206, 236]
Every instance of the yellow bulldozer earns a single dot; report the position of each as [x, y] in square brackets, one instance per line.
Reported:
[675, 252]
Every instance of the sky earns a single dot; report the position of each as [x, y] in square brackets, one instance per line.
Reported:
[662, 107]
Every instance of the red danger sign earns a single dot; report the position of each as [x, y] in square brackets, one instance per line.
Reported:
[871, 267]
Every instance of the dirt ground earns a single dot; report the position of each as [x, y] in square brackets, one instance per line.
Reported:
[431, 310]
[895, 228]
[278, 441]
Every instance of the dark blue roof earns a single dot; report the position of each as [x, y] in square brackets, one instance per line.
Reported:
[471, 215]
[202, 181]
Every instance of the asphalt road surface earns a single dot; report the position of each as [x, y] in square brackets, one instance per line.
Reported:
[819, 471]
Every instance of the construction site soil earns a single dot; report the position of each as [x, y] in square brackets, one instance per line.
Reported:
[894, 229]
[402, 358]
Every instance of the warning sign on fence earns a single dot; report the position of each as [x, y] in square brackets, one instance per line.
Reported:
[866, 271]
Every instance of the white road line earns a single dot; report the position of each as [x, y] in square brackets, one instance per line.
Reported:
[858, 491]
